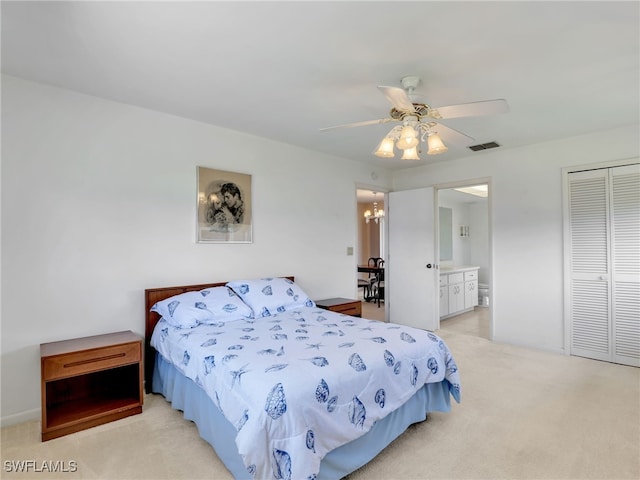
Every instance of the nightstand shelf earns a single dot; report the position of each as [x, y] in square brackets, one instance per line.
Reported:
[346, 306]
[90, 381]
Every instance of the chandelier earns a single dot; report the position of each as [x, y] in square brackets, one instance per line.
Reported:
[376, 216]
[407, 137]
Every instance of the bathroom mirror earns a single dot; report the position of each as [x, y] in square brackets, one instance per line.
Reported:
[445, 228]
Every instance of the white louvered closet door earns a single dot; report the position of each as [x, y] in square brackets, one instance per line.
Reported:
[625, 256]
[604, 226]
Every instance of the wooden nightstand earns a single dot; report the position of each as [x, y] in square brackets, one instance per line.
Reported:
[90, 381]
[342, 305]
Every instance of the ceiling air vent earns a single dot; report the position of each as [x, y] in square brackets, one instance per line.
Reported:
[484, 146]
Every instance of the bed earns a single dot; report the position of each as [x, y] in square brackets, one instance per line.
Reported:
[283, 389]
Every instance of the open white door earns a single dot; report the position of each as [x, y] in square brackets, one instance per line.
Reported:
[411, 267]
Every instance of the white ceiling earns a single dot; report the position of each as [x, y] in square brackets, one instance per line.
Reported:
[284, 70]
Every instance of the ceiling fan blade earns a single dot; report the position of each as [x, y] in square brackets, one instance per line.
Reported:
[451, 135]
[398, 98]
[487, 107]
[360, 124]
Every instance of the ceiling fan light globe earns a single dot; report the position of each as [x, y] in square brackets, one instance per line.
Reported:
[385, 149]
[405, 145]
[408, 138]
[435, 145]
[410, 154]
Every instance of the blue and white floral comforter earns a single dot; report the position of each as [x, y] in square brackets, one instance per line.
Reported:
[301, 383]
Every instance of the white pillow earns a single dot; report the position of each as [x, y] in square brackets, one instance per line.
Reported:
[210, 305]
[268, 296]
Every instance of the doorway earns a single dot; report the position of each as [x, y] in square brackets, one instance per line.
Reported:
[371, 242]
[371, 231]
[464, 250]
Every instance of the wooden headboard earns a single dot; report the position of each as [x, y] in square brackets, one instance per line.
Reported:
[151, 296]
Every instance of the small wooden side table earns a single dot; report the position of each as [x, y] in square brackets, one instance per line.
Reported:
[347, 306]
[90, 381]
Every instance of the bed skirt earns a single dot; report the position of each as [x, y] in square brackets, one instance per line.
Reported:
[213, 427]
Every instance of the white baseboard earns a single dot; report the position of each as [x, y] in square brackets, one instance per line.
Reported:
[21, 417]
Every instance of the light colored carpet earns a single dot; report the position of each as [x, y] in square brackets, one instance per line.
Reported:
[372, 311]
[525, 414]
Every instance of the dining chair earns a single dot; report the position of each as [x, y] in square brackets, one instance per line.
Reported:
[378, 283]
[367, 282]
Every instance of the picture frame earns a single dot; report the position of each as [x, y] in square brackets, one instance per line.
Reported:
[224, 213]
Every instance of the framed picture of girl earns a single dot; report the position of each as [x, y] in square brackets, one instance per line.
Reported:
[224, 207]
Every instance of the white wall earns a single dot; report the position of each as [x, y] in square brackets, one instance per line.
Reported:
[98, 203]
[526, 218]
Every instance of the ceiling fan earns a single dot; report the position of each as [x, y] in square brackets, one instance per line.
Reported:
[420, 122]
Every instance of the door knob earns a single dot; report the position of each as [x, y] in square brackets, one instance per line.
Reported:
[429, 265]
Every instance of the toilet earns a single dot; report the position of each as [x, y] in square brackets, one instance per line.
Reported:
[483, 295]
